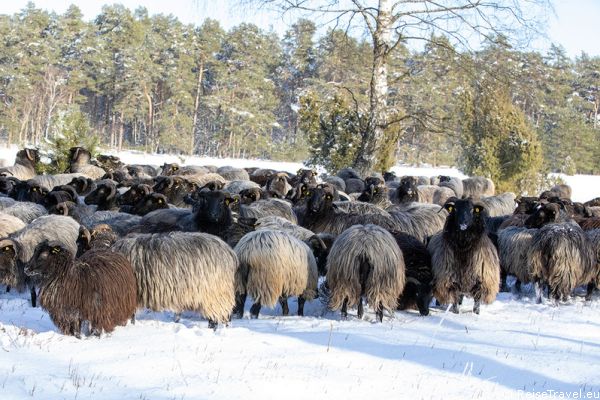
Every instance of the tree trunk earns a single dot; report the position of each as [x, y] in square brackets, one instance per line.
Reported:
[121, 131]
[196, 106]
[373, 134]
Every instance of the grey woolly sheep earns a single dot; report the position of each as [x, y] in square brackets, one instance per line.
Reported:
[51, 181]
[261, 175]
[354, 185]
[513, 249]
[348, 173]
[563, 191]
[336, 182]
[181, 271]
[323, 215]
[238, 186]
[463, 258]
[233, 173]
[203, 179]
[279, 184]
[420, 220]
[592, 278]
[24, 167]
[175, 169]
[502, 204]
[269, 207]
[561, 256]
[478, 186]
[120, 222]
[9, 224]
[274, 265]
[282, 224]
[365, 260]
[98, 288]
[25, 211]
[79, 161]
[453, 183]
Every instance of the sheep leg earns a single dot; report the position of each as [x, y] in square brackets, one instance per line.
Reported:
[254, 310]
[345, 309]
[212, 324]
[590, 289]
[538, 292]
[33, 296]
[460, 299]
[301, 301]
[7, 289]
[379, 312]
[454, 308]
[285, 310]
[177, 316]
[240, 300]
[518, 286]
[133, 319]
[361, 311]
[503, 285]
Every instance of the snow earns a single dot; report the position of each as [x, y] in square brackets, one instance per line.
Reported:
[513, 349]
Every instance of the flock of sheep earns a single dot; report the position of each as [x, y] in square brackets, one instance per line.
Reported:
[104, 239]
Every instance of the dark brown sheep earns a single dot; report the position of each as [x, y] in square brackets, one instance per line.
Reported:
[98, 288]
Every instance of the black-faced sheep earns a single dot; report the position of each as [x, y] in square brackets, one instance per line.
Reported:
[79, 162]
[24, 167]
[464, 259]
[175, 188]
[98, 288]
[323, 215]
[104, 196]
[274, 265]
[561, 256]
[182, 271]
[147, 204]
[418, 290]
[365, 260]
[134, 194]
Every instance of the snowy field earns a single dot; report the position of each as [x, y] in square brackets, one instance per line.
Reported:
[514, 349]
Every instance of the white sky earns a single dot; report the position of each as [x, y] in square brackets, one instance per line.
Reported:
[576, 25]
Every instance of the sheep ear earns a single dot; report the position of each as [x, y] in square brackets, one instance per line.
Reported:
[316, 242]
[84, 237]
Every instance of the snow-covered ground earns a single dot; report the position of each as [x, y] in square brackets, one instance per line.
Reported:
[513, 349]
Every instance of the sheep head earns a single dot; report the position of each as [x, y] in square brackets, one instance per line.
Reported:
[320, 200]
[546, 214]
[49, 260]
[8, 261]
[465, 222]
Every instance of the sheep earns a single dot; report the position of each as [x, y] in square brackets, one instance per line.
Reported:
[261, 176]
[9, 224]
[376, 194]
[24, 167]
[478, 186]
[233, 173]
[274, 265]
[134, 194]
[595, 202]
[453, 183]
[322, 215]
[149, 203]
[104, 196]
[202, 180]
[562, 190]
[25, 211]
[420, 220]
[79, 162]
[418, 290]
[365, 260]
[502, 204]
[248, 196]
[175, 188]
[348, 173]
[30, 191]
[304, 175]
[463, 258]
[279, 184]
[109, 163]
[98, 288]
[513, 248]
[50, 181]
[545, 214]
[408, 191]
[336, 182]
[282, 224]
[525, 206]
[238, 186]
[11, 274]
[593, 277]
[8, 184]
[561, 256]
[176, 169]
[354, 185]
[120, 222]
[181, 271]
[264, 208]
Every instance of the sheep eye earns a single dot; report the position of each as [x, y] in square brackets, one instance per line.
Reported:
[175, 168]
[450, 208]
[328, 197]
[227, 201]
[55, 250]
[34, 189]
[477, 209]
[160, 201]
[7, 248]
[376, 191]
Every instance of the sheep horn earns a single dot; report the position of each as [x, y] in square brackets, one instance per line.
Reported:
[319, 241]
[84, 236]
[113, 192]
[29, 155]
[76, 154]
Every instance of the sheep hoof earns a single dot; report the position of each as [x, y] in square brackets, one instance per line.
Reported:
[212, 324]
[454, 308]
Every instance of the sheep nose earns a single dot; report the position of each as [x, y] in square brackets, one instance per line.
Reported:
[463, 227]
[409, 191]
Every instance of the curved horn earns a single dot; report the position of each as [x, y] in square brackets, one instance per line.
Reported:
[30, 156]
[76, 154]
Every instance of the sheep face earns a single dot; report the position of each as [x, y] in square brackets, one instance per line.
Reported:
[389, 176]
[134, 194]
[30, 191]
[56, 197]
[28, 157]
[279, 183]
[79, 155]
[248, 196]
[175, 188]
[8, 185]
[373, 193]
[307, 176]
[407, 190]
[151, 202]
[526, 205]
[8, 261]
[320, 200]
[102, 194]
[465, 220]
[212, 207]
[49, 260]
[544, 214]
[170, 169]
